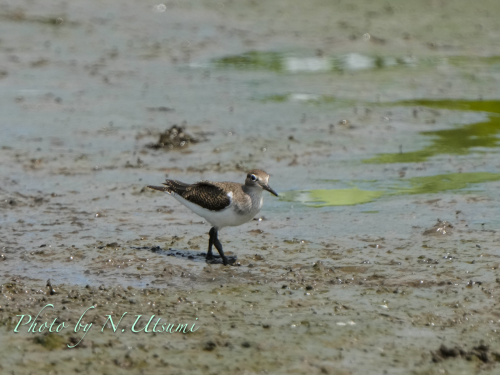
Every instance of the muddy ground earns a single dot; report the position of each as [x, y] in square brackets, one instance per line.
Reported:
[378, 122]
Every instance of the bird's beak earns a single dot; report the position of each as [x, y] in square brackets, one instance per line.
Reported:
[269, 189]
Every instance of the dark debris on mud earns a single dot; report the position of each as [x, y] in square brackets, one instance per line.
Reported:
[481, 352]
[442, 227]
[173, 138]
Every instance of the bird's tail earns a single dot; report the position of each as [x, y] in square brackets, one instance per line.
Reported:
[160, 188]
[172, 186]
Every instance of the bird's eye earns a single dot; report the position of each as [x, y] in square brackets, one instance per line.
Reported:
[253, 177]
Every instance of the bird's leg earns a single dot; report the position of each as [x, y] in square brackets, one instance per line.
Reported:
[219, 247]
[210, 243]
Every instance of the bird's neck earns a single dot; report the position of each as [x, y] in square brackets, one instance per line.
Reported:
[255, 192]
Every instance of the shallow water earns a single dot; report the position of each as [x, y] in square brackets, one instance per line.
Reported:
[372, 124]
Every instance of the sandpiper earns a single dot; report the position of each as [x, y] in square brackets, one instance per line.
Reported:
[222, 204]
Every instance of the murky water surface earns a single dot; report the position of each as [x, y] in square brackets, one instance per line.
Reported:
[379, 124]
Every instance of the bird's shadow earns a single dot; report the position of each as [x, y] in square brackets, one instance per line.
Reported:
[195, 256]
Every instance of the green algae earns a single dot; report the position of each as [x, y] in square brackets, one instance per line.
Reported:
[470, 60]
[336, 197]
[279, 98]
[306, 99]
[442, 182]
[492, 106]
[409, 186]
[252, 60]
[50, 341]
[458, 141]
[298, 63]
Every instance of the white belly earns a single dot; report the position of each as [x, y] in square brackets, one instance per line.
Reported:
[220, 219]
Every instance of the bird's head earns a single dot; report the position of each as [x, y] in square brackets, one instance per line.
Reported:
[259, 178]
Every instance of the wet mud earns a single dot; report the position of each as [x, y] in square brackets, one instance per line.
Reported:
[378, 123]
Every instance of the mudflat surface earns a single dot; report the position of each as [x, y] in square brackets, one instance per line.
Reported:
[378, 122]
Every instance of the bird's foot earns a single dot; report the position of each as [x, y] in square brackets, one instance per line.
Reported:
[217, 259]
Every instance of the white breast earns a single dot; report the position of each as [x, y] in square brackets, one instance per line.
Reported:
[228, 217]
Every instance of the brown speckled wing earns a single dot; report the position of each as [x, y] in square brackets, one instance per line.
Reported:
[203, 193]
[175, 186]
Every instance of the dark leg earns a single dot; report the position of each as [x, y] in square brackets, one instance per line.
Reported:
[218, 246]
[210, 243]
